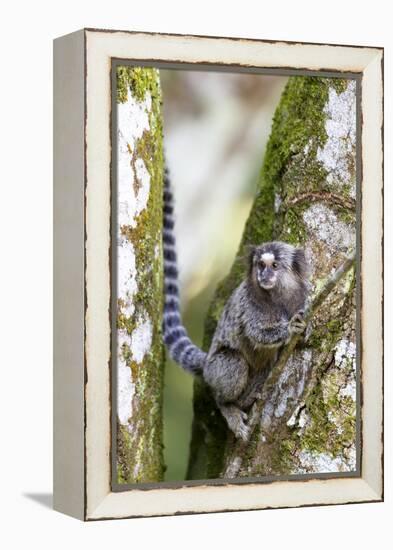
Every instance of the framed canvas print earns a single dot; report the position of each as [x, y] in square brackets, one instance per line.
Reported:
[218, 274]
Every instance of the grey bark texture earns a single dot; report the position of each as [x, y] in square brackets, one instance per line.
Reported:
[305, 196]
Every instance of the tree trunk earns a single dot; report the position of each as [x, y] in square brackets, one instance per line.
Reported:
[306, 196]
[140, 360]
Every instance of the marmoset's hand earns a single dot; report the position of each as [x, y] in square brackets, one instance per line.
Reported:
[297, 325]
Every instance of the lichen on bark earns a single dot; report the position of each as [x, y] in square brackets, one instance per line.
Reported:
[306, 196]
[140, 360]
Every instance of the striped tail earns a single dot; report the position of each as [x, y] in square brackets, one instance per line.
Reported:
[179, 345]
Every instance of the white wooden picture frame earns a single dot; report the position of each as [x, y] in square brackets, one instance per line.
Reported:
[82, 206]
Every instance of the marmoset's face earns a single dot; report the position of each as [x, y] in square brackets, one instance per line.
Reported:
[278, 265]
[267, 269]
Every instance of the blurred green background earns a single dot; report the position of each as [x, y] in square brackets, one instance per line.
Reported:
[216, 126]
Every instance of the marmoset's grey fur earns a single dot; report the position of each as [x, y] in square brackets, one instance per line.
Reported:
[260, 316]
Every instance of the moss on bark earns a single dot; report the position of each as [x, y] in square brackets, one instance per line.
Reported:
[140, 438]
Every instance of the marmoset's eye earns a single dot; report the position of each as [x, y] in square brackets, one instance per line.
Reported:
[262, 264]
[275, 265]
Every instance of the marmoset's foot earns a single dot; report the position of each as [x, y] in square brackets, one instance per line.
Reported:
[236, 418]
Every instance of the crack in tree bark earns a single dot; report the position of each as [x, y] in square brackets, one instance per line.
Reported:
[316, 196]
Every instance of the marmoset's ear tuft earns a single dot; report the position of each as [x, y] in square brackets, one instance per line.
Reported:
[299, 263]
[248, 256]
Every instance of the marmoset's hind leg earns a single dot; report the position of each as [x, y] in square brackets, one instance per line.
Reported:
[227, 374]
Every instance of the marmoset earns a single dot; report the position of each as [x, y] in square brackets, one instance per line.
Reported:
[260, 316]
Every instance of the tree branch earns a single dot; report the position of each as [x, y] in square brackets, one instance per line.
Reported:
[235, 460]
